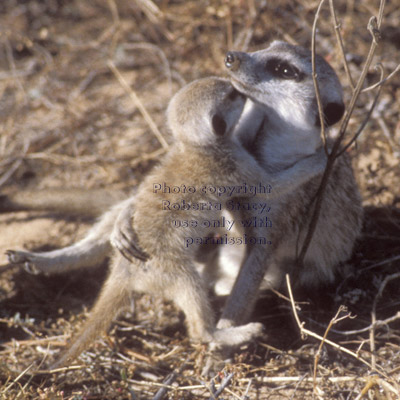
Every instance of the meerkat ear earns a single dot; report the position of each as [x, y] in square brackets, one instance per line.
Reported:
[333, 112]
[219, 125]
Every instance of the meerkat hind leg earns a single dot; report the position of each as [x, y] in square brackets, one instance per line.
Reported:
[114, 296]
[186, 289]
[88, 252]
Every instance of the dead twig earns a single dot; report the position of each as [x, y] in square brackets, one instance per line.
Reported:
[295, 379]
[245, 396]
[14, 167]
[339, 40]
[23, 373]
[138, 104]
[332, 322]
[160, 53]
[170, 379]
[378, 323]
[383, 80]
[164, 390]
[314, 76]
[364, 123]
[223, 385]
[13, 68]
[373, 315]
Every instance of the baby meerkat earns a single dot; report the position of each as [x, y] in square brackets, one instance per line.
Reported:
[201, 116]
[278, 82]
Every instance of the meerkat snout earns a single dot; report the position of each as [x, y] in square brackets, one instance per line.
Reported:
[280, 77]
[232, 62]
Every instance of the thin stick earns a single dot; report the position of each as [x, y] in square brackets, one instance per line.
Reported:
[378, 324]
[381, 82]
[364, 123]
[373, 315]
[245, 396]
[160, 53]
[333, 321]
[372, 347]
[379, 264]
[114, 12]
[372, 381]
[138, 104]
[170, 379]
[9, 173]
[223, 385]
[314, 76]
[339, 40]
[382, 288]
[24, 372]
[294, 379]
[164, 390]
[11, 62]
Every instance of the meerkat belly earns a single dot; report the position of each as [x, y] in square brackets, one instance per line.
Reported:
[335, 232]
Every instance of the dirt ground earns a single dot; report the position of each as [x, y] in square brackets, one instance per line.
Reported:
[68, 121]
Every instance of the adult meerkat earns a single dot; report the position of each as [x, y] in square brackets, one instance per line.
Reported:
[202, 117]
[278, 82]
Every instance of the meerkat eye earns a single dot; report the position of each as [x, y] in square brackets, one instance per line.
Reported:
[283, 70]
[218, 124]
[234, 94]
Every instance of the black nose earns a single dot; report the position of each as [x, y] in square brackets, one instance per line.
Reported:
[232, 61]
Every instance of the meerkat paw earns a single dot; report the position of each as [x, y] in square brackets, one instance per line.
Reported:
[124, 239]
[224, 324]
[224, 342]
[233, 336]
[30, 261]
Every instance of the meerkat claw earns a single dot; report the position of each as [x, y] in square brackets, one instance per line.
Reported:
[15, 257]
[24, 258]
[124, 237]
[125, 243]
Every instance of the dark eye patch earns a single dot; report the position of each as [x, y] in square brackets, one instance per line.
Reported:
[283, 70]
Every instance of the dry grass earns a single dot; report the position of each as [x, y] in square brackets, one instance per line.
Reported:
[68, 119]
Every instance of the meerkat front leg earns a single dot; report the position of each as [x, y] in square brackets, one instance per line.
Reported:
[244, 293]
[123, 236]
[259, 260]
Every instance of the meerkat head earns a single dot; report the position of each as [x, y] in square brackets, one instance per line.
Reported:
[280, 77]
[204, 110]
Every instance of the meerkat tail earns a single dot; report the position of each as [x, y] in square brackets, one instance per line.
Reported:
[114, 297]
[77, 201]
